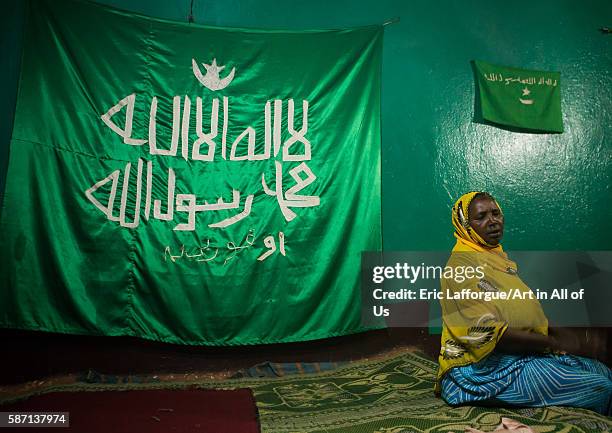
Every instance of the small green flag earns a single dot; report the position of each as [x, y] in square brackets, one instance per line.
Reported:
[522, 98]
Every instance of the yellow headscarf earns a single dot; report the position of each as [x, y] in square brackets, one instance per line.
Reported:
[461, 220]
[467, 238]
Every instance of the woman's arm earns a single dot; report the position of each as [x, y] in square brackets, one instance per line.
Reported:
[525, 342]
[586, 341]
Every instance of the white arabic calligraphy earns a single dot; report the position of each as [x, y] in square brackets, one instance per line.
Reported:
[200, 252]
[270, 243]
[181, 120]
[290, 198]
[528, 80]
[290, 145]
[182, 203]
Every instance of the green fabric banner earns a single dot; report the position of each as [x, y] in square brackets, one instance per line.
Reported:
[521, 98]
[189, 184]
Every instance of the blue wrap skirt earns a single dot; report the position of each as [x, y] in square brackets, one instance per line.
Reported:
[532, 381]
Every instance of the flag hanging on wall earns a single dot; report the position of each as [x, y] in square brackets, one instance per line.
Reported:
[189, 184]
[520, 98]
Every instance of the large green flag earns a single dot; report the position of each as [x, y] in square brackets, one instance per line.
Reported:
[189, 184]
[520, 98]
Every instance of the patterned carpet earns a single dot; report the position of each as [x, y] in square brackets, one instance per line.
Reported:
[394, 395]
[390, 395]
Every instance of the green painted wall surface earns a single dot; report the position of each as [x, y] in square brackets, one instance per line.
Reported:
[556, 189]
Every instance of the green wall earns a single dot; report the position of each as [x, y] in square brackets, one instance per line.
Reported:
[556, 190]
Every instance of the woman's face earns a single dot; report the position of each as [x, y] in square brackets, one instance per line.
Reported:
[486, 219]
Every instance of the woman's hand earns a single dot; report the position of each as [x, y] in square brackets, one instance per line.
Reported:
[578, 341]
[525, 342]
[575, 341]
[564, 340]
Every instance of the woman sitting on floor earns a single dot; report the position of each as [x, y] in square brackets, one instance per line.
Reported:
[501, 352]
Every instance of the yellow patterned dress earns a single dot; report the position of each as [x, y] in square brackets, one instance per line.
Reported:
[472, 325]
